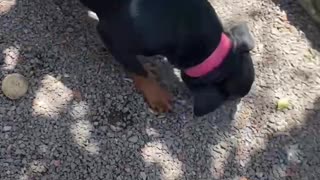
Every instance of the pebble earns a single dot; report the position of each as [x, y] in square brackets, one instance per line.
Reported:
[56, 163]
[7, 128]
[143, 175]
[260, 174]
[96, 123]
[224, 145]
[110, 134]
[133, 139]
[38, 167]
[70, 29]
[42, 149]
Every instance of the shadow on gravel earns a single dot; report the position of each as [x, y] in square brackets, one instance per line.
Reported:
[300, 19]
[283, 158]
[63, 128]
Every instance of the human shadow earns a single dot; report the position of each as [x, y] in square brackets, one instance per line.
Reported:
[288, 154]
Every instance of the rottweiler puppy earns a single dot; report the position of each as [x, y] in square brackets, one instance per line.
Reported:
[215, 64]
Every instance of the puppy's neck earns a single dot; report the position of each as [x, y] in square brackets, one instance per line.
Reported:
[213, 61]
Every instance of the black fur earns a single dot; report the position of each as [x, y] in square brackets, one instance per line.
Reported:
[186, 32]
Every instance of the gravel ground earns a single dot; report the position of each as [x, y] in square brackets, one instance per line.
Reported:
[82, 118]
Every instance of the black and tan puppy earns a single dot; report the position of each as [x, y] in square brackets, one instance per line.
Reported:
[215, 64]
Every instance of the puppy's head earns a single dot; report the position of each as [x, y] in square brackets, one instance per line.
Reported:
[207, 99]
[241, 61]
[211, 91]
[242, 39]
[206, 92]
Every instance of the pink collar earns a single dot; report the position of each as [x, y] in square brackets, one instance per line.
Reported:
[213, 61]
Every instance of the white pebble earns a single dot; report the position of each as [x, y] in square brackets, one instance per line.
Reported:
[7, 128]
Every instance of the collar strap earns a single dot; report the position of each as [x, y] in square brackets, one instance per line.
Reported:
[213, 61]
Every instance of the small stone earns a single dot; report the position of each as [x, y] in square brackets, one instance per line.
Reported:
[77, 95]
[22, 145]
[2, 110]
[143, 175]
[242, 163]
[274, 31]
[278, 171]
[7, 128]
[115, 128]
[224, 145]
[127, 170]
[14, 86]
[227, 173]
[24, 177]
[56, 163]
[259, 174]
[73, 165]
[133, 139]
[59, 77]
[161, 116]
[110, 134]
[104, 128]
[38, 167]
[43, 149]
[70, 29]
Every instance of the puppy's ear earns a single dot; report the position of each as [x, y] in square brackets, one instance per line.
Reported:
[243, 39]
[206, 100]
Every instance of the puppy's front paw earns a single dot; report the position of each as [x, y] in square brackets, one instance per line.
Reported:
[157, 97]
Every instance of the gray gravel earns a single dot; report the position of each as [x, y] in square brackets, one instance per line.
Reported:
[82, 118]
